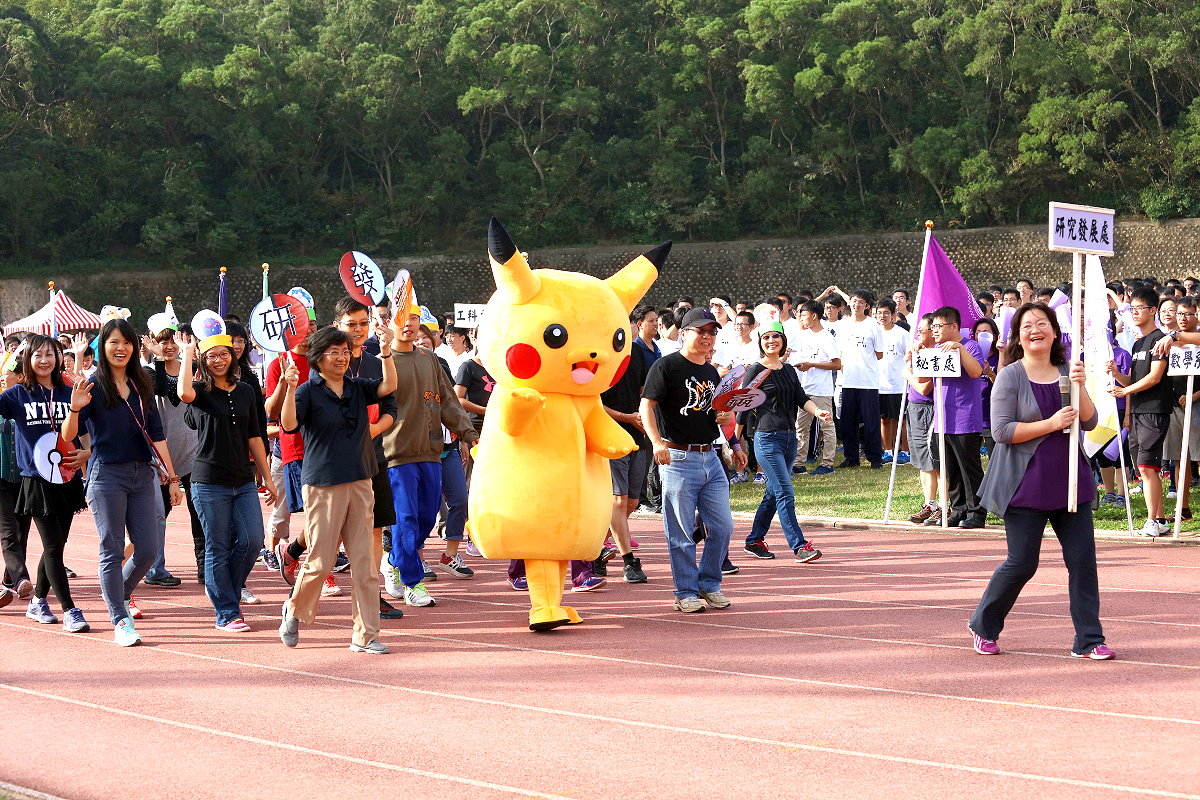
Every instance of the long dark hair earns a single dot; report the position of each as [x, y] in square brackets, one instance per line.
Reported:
[237, 331]
[134, 371]
[34, 343]
[1014, 351]
[207, 377]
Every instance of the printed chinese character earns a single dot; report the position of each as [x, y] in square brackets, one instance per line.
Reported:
[1060, 228]
[1095, 231]
[1104, 232]
[275, 320]
[1071, 228]
[363, 278]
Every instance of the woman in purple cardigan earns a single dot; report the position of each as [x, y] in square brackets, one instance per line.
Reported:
[1026, 482]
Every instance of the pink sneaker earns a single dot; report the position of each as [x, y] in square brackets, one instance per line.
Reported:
[633, 543]
[589, 584]
[1100, 652]
[985, 647]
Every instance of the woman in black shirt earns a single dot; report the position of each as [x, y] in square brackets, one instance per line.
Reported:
[775, 443]
[224, 412]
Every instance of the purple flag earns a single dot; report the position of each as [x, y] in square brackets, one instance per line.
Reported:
[941, 285]
[222, 297]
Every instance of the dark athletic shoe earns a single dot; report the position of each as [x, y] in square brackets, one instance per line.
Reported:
[728, 568]
[633, 572]
[758, 550]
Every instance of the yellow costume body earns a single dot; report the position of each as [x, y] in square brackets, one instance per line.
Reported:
[541, 488]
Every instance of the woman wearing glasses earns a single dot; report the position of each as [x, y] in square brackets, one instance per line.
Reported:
[775, 443]
[330, 411]
[1026, 482]
[224, 412]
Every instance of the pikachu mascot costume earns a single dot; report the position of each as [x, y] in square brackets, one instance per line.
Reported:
[541, 489]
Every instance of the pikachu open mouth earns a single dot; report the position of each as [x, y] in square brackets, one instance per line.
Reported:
[583, 371]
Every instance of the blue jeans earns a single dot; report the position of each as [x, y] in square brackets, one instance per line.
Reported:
[233, 536]
[124, 498]
[417, 495]
[454, 489]
[695, 483]
[776, 452]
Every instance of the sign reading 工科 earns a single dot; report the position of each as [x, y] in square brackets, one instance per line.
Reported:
[1081, 229]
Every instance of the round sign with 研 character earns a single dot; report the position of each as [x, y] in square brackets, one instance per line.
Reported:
[279, 322]
[362, 278]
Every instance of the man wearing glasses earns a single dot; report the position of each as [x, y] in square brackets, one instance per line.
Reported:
[742, 350]
[963, 399]
[682, 425]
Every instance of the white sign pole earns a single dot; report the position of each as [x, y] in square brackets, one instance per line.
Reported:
[887, 509]
[1183, 475]
[1124, 482]
[943, 487]
[1076, 345]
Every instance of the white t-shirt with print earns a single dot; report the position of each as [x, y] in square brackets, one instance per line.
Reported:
[858, 342]
[891, 368]
[821, 347]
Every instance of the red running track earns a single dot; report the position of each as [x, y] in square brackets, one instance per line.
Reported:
[849, 677]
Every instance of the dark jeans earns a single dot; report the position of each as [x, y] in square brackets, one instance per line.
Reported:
[159, 569]
[233, 528]
[777, 451]
[51, 573]
[964, 473]
[14, 533]
[861, 407]
[1023, 528]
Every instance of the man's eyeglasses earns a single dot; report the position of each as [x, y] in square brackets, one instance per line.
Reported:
[1139, 308]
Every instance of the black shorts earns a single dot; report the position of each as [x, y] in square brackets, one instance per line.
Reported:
[889, 407]
[1146, 435]
[385, 510]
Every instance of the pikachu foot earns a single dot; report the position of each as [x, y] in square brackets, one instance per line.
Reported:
[547, 618]
[572, 615]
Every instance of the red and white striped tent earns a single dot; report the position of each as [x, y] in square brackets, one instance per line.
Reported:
[61, 310]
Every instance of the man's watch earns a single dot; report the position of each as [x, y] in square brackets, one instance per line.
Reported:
[1174, 336]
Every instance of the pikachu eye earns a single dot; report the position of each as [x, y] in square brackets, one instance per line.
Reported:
[619, 340]
[555, 335]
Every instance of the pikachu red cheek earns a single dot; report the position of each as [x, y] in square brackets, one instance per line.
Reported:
[523, 361]
[620, 371]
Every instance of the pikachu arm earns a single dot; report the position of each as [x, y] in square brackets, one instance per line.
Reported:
[517, 408]
[604, 436]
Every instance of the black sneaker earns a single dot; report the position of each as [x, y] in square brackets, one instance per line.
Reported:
[633, 572]
[606, 553]
[848, 465]
[70, 572]
[389, 611]
[600, 568]
[728, 567]
[342, 564]
[1186, 514]
[758, 550]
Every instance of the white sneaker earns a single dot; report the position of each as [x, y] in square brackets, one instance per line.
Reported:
[1151, 529]
[248, 598]
[391, 581]
[418, 596]
[331, 588]
[1171, 495]
[125, 634]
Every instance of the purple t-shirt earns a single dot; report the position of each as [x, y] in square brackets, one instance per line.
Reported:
[964, 397]
[1044, 486]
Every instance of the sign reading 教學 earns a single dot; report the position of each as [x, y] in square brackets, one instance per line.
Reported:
[468, 315]
[1184, 360]
[934, 363]
[1081, 229]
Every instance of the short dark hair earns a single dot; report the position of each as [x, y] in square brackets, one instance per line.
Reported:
[985, 297]
[864, 295]
[747, 313]
[887, 303]
[323, 339]
[1027, 282]
[835, 300]
[1007, 292]
[812, 306]
[683, 299]
[1146, 295]
[667, 318]
[774, 301]
[784, 296]
[948, 314]
[904, 292]
[1186, 300]
[345, 306]
[639, 313]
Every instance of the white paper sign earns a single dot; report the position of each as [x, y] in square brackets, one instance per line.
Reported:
[468, 315]
[1081, 229]
[933, 363]
[1184, 360]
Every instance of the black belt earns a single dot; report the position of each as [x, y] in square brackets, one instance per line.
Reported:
[694, 448]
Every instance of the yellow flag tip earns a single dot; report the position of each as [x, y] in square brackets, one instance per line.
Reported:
[928, 224]
[50, 284]
[223, 270]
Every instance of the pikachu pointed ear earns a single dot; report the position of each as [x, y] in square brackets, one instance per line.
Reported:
[634, 279]
[514, 279]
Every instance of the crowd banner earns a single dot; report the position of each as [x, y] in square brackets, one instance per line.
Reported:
[936, 364]
[1183, 361]
[1078, 230]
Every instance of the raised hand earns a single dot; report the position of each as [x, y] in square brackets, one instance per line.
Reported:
[79, 343]
[152, 346]
[81, 393]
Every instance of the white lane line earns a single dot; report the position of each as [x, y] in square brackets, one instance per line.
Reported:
[295, 748]
[33, 794]
[674, 729]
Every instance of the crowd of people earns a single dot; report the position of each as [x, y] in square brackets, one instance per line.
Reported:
[366, 426]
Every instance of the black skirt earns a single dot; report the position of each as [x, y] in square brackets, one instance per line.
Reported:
[40, 498]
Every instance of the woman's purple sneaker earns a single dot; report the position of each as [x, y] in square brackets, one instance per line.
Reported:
[1100, 652]
[985, 647]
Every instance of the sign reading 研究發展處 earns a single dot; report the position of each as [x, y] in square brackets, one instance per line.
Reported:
[1184, 360]
[1081, 229]
[934, 363]
[468, 315]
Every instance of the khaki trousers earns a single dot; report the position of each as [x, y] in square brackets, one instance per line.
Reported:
[332, 513]
[828, 433]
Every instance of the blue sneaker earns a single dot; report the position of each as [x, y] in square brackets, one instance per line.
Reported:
[39, 611]
[739, 477]
[903, 458]
[73, 622]
[760, 479]
[822, 470]
[887, 457]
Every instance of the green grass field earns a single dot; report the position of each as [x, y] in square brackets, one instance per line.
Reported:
[862, 493]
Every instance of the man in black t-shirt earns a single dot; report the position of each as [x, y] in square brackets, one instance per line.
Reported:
[628, 472]
[1149, 406]
[679, 419]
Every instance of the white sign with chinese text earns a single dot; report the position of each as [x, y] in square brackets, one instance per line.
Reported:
[933, 363]
[1081, 229]
[1184, 360]
[468, 315]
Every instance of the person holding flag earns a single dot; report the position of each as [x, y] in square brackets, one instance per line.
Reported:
[1027, 486]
